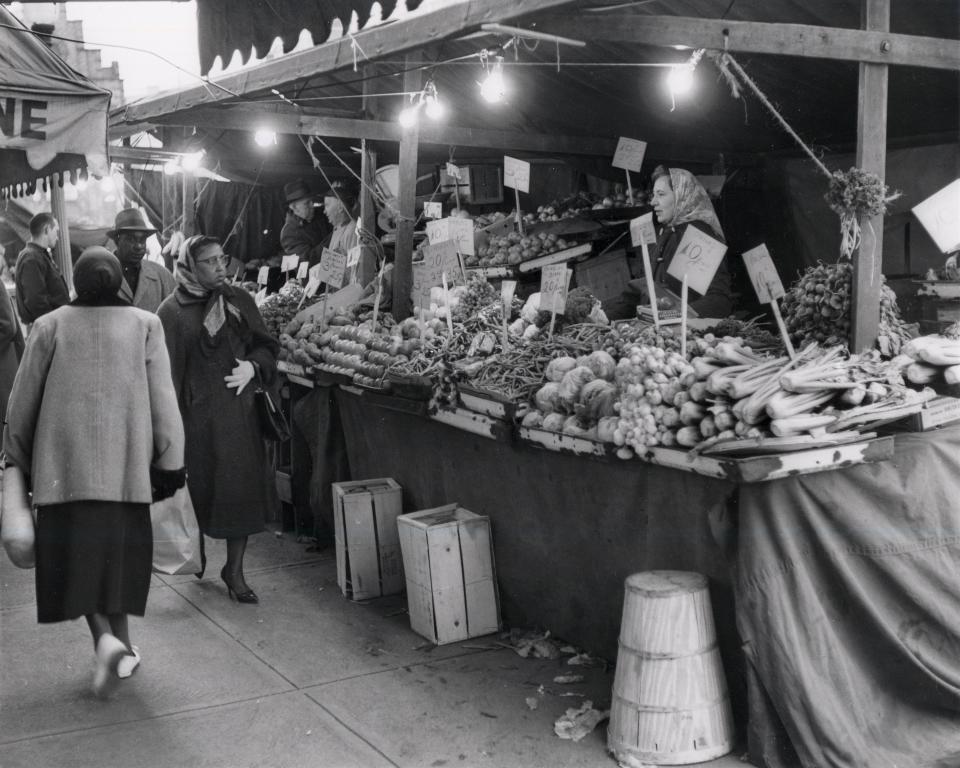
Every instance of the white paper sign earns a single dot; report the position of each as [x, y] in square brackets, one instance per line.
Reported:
[263, 275]
[452, 228]
[290, 262]
[302, 270]
[507, 289]
[642, 230]
[433, 210]
[554, 280]
[331, 268]
[763, 274]
[260, 297]
[440, 259]
[697, 257]
[516, 173]
[453, 171]
[629, 154]
[940, 216]
[311, 288]
[353, 256]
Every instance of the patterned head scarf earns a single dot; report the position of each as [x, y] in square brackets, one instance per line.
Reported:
[218, 301]
[692, 202]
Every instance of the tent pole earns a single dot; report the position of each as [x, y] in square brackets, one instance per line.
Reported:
[409, 151]
[58, 207]
[189, 192]
[872, 157]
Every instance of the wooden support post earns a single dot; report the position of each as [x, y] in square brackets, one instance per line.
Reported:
[871, 157]
[58, 207]
[368, 209]
[189, 192]
[409, 151]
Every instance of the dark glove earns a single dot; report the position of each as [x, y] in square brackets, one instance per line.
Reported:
[166, 482]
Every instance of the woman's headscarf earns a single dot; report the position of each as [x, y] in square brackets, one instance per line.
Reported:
[219, 301]
[97, 276]
[692, 202]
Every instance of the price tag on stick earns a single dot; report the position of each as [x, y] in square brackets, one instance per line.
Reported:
[629, 154]
[697, 258]
[331, 269]
[554, 280]
[507, 289]
[642, 230]
[263, 275]
[289, 262]
[433, 210]
[766, 282]
[516, 174]
[302, 270]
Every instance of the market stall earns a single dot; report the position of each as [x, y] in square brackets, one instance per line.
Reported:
[598, 450]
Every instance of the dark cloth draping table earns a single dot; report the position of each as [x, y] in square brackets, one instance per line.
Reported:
[845, 581]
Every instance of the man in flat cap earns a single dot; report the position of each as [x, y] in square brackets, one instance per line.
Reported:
[304, 233]
[145, 283]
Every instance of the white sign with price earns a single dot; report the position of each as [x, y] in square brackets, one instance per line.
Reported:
[453, 171]
[290, 262]
[331, 268]
[554, 280]
[763, 274]
[451, 228]
[433, 210]
[440, 259]
[642, 230]
[697, 257]
[940, 216]
[263, 275]
[516, 174]
[313, 282]
[302, 270]
[629, 154]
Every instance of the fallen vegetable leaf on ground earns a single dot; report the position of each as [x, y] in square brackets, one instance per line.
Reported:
[574, 724]
[568, 679]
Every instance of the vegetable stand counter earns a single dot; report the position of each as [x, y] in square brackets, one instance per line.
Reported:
[824, 564]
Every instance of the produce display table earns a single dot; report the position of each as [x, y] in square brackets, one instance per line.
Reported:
[845, 581]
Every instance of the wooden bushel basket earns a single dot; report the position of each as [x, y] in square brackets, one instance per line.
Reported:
[670, 702]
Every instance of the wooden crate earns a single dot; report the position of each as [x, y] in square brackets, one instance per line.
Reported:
[450, 575]
[368, 552]
[606, 276]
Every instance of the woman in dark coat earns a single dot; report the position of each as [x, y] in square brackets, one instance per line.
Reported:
[219, 351]
[93, 426]
[679, 201]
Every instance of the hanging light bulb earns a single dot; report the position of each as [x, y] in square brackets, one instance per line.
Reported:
[434, 109]
[680, 80]
[494, 87]
[265, 138]
[171, 167]
[191, 161]
[408, 116]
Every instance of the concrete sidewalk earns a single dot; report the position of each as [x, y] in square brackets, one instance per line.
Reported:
[306, 678]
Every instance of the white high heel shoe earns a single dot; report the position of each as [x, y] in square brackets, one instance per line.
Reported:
[109, 652]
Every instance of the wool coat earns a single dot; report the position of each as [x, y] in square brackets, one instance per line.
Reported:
[93, 406]
[11, 348]
[231, 483]
[305, 239]
[155, 284]
[40, 284]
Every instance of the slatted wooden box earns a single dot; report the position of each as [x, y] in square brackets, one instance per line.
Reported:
[450, 575]
[368, 551]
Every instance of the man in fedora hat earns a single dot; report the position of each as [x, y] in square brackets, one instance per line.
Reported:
[145, 283]
[304, 233]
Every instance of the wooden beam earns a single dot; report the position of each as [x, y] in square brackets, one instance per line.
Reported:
[808, 41]
[376, 43]
[58, 207]
[403, 251]
[871, 157]
[249, 118]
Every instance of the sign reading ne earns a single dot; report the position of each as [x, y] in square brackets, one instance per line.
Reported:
[697, 257]
[23, 118]
[763, 274]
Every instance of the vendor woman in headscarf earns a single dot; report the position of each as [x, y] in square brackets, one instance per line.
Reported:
[679, 201]
[220, 351]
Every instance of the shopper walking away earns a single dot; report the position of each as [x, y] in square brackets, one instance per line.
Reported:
[220, 351]
[40, 284]
[93, 425]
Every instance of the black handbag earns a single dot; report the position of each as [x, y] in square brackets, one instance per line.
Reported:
[272, 421]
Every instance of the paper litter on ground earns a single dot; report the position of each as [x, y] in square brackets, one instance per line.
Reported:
[568, 679]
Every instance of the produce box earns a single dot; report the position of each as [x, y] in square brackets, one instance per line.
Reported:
[606, 276]
[450, 576]
[368, 551]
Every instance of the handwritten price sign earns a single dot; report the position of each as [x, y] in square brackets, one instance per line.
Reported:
[940, 216]
[642, 231]
[629, 154]
[263, 275]
[554, 280]
[290, 262]
[302, 270]
[433, 210]
[763, 274]
[698, 256]
[516, 174]
[440, 258]
[460, 231]
[331, 268]
[453, 171]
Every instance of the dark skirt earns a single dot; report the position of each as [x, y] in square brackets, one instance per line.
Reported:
[92, 557]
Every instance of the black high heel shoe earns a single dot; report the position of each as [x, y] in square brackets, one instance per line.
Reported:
[249, 596]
